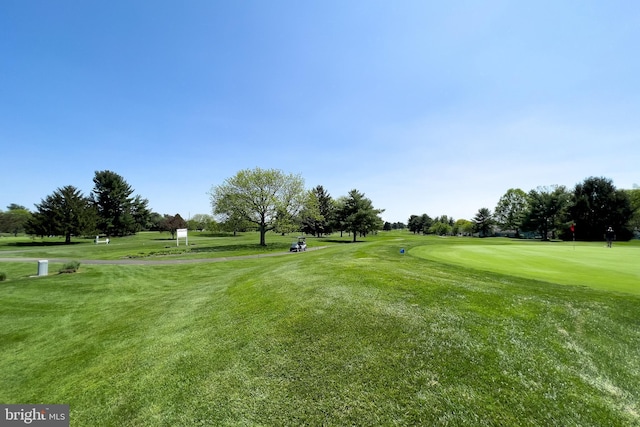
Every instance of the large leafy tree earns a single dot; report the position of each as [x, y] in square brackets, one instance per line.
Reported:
[263, 197]
[65, 212]
[597, 204]
[14, 219]
[483, 222]
[359, 214]
[511, 209]
[119, 212]
[547, 210]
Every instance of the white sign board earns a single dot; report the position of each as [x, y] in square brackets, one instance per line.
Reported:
[182, 234]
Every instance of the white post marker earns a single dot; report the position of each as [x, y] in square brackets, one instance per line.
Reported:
[182, 233]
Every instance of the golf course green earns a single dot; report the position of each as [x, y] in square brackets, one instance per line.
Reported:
[458, 331]
[582, 264]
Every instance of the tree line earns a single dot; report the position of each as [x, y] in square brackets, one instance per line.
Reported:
[261, 199]
[270, 200]
[583, 213]
[111, 209]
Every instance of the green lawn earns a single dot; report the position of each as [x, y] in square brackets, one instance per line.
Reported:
[146, 245]
[354, 334]
[583, 264]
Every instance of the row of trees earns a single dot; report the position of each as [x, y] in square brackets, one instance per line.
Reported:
[271, 200]
[549, 212]
[591, 207]
[111, 209]
[258, 198]
[442, 226]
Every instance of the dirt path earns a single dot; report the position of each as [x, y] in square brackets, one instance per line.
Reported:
[158, 261]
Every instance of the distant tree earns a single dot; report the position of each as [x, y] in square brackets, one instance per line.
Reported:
[463, 226]
[547, 210]
[511, 209]
[156, 222]
[200, 222]
[398, 226]
[387, 226]
[483, 222]
[441, 228]
[360, 215]
[14, 219]
[260, 196]
[444, 219]
[597, 205]
[174, 222]
[119, 213]
[425, 223]
[234, 223]
[65, 212]
[420, 224]
[413, 224]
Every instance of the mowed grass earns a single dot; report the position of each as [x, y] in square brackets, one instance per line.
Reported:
[354, 334]
[146, 245]
[583, 264]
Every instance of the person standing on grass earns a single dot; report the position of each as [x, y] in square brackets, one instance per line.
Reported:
[610, 236]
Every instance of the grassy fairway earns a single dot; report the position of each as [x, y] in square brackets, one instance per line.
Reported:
[584, 264]
[145, 245]
[355, 334]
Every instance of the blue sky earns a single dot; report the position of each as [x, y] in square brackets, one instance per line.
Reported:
[426, 107]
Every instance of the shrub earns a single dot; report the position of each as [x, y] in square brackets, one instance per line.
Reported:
[70, 267]
[3, 276]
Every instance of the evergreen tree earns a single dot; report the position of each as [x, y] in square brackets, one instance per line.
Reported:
[359, 214]
[65, 212]
[483, 222]
[119, 212]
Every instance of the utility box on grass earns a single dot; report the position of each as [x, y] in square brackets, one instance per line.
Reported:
[43, 267]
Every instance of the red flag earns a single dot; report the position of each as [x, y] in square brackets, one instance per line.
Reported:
[572, 228]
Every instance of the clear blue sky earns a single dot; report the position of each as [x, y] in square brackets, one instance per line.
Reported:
[425, 106]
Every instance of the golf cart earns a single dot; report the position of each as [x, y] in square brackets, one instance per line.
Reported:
[300, 245]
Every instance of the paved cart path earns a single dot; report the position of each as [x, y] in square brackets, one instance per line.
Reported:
[136, 261]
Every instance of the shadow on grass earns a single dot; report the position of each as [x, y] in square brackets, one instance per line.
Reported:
[254, 247]
[243, 249]
[341, 241]
[38, 244]
[169, 238]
